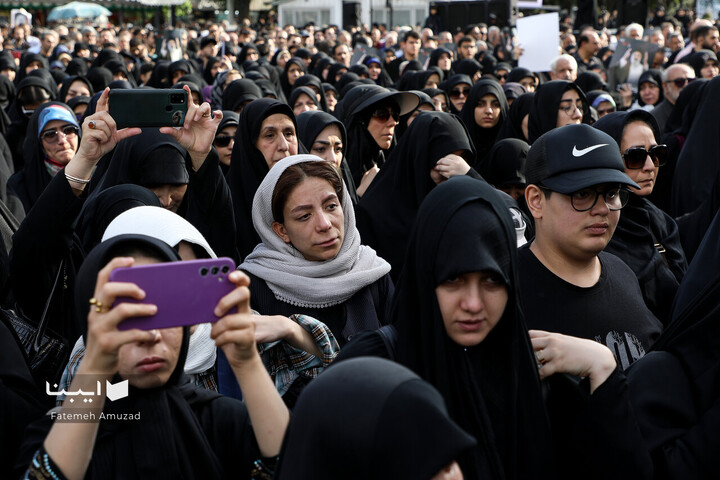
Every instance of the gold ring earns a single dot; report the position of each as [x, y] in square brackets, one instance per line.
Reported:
[91, 124]
[205, 115]
[99, 306]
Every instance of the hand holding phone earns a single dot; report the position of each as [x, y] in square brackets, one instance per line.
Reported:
[185, 293]
[148, 107]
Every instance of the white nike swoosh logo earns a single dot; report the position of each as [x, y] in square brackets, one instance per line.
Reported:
[580, 153]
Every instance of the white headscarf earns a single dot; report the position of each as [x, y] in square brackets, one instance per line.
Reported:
[301, 282]
[172, 229]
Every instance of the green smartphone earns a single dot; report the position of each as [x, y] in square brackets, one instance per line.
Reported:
[148, 107]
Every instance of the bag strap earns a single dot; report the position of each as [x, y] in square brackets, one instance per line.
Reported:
[388, 333]
[37, 341]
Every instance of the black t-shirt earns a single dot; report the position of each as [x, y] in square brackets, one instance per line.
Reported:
[611, 312]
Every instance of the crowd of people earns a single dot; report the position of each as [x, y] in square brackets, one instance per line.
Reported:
[524, 263]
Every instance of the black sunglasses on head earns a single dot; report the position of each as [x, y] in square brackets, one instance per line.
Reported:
[635, 157]
[681, 82]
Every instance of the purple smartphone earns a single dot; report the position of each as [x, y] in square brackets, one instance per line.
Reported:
[185, 293]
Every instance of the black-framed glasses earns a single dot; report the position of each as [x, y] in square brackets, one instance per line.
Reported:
[53, 135]
[681, 82]
[569, 107]
[456, 92]
[635, 157]
[583, 200]
[222, 141]
[501, 76]
[384, 114]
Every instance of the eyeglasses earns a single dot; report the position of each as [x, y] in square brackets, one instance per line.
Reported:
[384, 114]
[635, 157]
[569, 108]
[53, 136]
[583, 200]
[222, 141]
[457, 92]
[681, 82]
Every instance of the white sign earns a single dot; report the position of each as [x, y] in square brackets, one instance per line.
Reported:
[534, 4]
[539, 37]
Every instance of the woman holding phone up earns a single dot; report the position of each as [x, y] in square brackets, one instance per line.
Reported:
[175, 430]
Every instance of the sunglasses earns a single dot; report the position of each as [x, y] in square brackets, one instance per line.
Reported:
[635, 157]
[53, 136]
[455, 93]
[384, 114]
[501, 77]
[222, 141]
[681, 82]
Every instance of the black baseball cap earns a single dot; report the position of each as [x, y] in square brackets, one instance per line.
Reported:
[573, 157]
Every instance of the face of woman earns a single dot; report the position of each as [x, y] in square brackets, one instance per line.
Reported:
[302, 104]
[224, 149]
[524, 126]
[432, 81]
[331, 100]
[294, 72]
[487, 111]
[649, 93]
[282, 59]
[440, 103]
[471, 305]
[314, 222]
[34, 65]
[639, 134]
[61, 146]
[444, 62]
[150, 364]
[422, 108]
[374, 70]
[570, 109]
[277, 139]
[252, 55]
[77, 89]
[170, 196]
[382, 126]
[328, 145]
[709, 70]
[459, 94]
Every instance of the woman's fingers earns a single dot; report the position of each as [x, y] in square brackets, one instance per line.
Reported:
[104, 274]
[103, 103]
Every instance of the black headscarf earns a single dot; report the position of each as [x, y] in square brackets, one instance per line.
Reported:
[492, 390]
[310, 124]
[405, 181]
[308, 80]
[546, 102]
[69, 81]
[239, 91]
[207, 74]
[403, 122]
[26, 60]
[696, 182]
[297, 91]
[102, 209]
[333, 71]
[452, 82]
[99, 77]
[512, 127]
[653, 76]
[641, 226]
[483, 138]
[284, 82]
[244, 52]
[160, 75]
[435, 58]
[77, 66]
[505, 163]
[248, 167]
[697, 60]
[184, 432]
[388, 424]
[589, 80]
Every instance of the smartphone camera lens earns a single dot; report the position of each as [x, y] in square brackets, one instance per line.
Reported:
[214, 270]
[203, 271]
[225, 269]
[177, 98]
